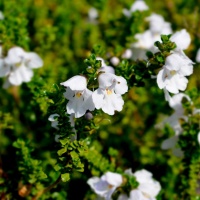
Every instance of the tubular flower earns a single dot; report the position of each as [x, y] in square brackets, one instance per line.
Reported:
[80, 98]
[18, 65]
[106, 184]
[108, 95]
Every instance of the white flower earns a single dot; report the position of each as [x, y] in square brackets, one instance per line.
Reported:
[158, 25]
[182, 39]
[171, 143]
[104, 67]
[172, 76]
[93, 14]
[138, 195]
[139, 5]
[144, 40]
[198, 56]
[1, 15]
[122, 197]
[54, 120]
[148, 188]
[147, 185]
[115, 61]
[4, 69]
[174, 121]
[19, 64]
[176, 103]
[198, 138]
[108, 95]
[106, 185]
[80, 99]
[127, 54]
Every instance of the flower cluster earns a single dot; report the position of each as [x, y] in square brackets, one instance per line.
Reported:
[107, 97]
[177, 65]
[145, 41]
[17, 66]
[107, 184]
[174, 121]
[172, 76]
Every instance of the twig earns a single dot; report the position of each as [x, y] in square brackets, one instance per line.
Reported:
[47, 189]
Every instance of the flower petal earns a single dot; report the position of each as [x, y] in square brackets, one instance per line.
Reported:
[98, 98]
[33, 60]
[76, 106]
[52, 117]
[88, 101]
[121, 85]
[4, 69]
[171, 85]
[106, 80]
[137, 195]
[113, 179]
[181, 82]
[161, 78]
[111, 103]
[169, 143]
[76, 83]
[15, 55]
[19, 75]
[182, 39]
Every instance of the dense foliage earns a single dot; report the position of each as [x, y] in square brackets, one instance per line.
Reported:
[38, 161]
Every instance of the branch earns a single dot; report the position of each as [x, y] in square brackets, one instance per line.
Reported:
[47, 189]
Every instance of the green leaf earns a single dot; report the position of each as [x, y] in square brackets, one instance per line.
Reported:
[65, 177]
[74, 155]
[160, 59]
[64, 141]
[62, 151]
[57, 167]
[19, 143]
[165, 38]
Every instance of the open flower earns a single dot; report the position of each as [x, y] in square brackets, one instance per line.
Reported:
[176, 103]
[138, 5]
[18, 65]
[182, 39]
[108, 95]
[106, 184]
[174, 121]
[80, 98]
[148, 188]
[172, 76]
[158, 25]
